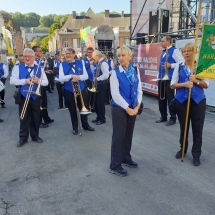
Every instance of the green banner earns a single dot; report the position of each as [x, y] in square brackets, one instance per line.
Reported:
[206, 62]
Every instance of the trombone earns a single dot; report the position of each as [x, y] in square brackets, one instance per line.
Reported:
[84, 111]
[165, 78]
[29, 92]
[94, 86]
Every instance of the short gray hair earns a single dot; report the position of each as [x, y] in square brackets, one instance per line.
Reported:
[98, 53]
[28, 50]
[125, 50]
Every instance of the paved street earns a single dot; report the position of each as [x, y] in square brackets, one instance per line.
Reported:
[68, 175]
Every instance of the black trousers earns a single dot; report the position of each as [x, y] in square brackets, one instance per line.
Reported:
[107, 93]
[44, 104]
[31, 120]
[165, 91]
[197, 117]
[50, 78]
[123, 127]
[100, 103]
[60, 94]
[69, 96]
[2, 93]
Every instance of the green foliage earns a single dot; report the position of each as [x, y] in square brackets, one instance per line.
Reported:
[35, 42]
[5, 14]
[44, 44]
[82, 13]
[46, 21]
[53, 28]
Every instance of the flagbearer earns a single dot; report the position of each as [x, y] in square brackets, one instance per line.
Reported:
[3, 76]
[182, 80]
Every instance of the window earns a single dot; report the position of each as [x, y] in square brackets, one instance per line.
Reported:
[75, 43]
[65, 42]
[127, 41]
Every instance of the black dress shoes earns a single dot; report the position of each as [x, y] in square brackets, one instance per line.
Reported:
[49, 121]
[131, 165]
[37, 139]
[100, 122]
[89, 128]
[21, 143]
[75, 132]
[169, 123]
[43, 125]
[95, 120]
[196, 161]
[179, 154]
[1, 120]
[120, 172]
[161, 120]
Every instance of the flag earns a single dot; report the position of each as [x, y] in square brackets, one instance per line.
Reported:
[8, 40]
[206, 62]
[84, 34]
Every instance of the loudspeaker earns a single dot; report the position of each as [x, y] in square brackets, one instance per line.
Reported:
[140, 40]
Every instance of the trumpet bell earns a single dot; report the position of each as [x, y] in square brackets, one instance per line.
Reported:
[84, 111]
[165, 78]
[93, 89]
[32, 92]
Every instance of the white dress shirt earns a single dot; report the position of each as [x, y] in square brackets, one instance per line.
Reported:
[105, 71]
[14, 79]
[114, 87]
[175, 76]
[65, 78]
[5, 68]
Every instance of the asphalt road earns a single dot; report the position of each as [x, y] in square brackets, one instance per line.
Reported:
[68, 175]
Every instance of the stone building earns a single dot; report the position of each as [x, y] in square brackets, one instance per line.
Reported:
[69, 34]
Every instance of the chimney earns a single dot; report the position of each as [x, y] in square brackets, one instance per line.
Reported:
[122, 15]
[107, 13]
[74, 14]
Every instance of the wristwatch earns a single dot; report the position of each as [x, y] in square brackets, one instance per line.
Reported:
[197, 82]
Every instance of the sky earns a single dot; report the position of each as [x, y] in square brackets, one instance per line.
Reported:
[45, 7]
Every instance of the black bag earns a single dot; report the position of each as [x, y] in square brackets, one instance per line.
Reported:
[141, 108]
[17, 96]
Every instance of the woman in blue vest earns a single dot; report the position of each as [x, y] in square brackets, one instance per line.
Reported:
[126, 92]
[182, 80]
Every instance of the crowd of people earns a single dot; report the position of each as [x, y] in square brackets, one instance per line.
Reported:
[86, 85]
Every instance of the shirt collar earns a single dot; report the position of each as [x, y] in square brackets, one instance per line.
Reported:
[121, 68]
[29, 66]
[101, 60]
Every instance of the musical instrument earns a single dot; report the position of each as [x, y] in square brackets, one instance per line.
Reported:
[77, 92]
[94, 86]
[165, 78]
[2, 87]
[29, 92]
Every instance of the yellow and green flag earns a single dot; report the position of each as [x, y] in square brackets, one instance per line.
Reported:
[8, 40]
[84, 34]
[206, 61]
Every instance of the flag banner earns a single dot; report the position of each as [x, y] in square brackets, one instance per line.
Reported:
[84, 34]
[206, 62]
[8, 40]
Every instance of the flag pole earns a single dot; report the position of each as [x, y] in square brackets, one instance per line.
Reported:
[198, 25]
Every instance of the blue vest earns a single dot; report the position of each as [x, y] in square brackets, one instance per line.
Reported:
[124, 86]
[109, 64]
[41, 64]
[1, 69]
[78, 71]
[23, 72]
[163, 61]
[197, 93]
[100, 73]
[57, 65]
[87, 66]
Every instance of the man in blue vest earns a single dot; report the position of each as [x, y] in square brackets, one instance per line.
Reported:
[73, 73]
[26, 75]
[100, 74]
[165, 93]
[3, 76]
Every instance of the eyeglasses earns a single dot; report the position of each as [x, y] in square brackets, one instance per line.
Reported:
[28, 56]
[89, 52]
[188, 51]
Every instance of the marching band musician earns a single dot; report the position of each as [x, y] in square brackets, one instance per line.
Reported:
[20, 59]
[3, 76]
[74, 71]
[102, 75]
[25, 75]
[165, 93]
[182, 80]
[44, 104]
[126, 92]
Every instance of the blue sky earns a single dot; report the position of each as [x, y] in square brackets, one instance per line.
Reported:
[44, 7]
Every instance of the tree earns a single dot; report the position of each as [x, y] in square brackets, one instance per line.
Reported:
[53, 27]
[32, 20]
[44, 44]
[82, 13]
[36, 41]
[5, 14]
[46, 21]
[18, 18]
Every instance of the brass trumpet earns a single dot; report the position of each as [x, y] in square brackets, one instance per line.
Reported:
[29, 92]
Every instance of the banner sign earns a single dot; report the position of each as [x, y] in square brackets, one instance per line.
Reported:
[206, 62]
[8, 40]
[86, 38]
[147, 58]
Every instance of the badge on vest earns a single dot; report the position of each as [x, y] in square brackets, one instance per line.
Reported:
[135, 80]
[79, 69]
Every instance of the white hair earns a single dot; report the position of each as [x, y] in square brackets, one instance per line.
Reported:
[28, 50]
[98, 53]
